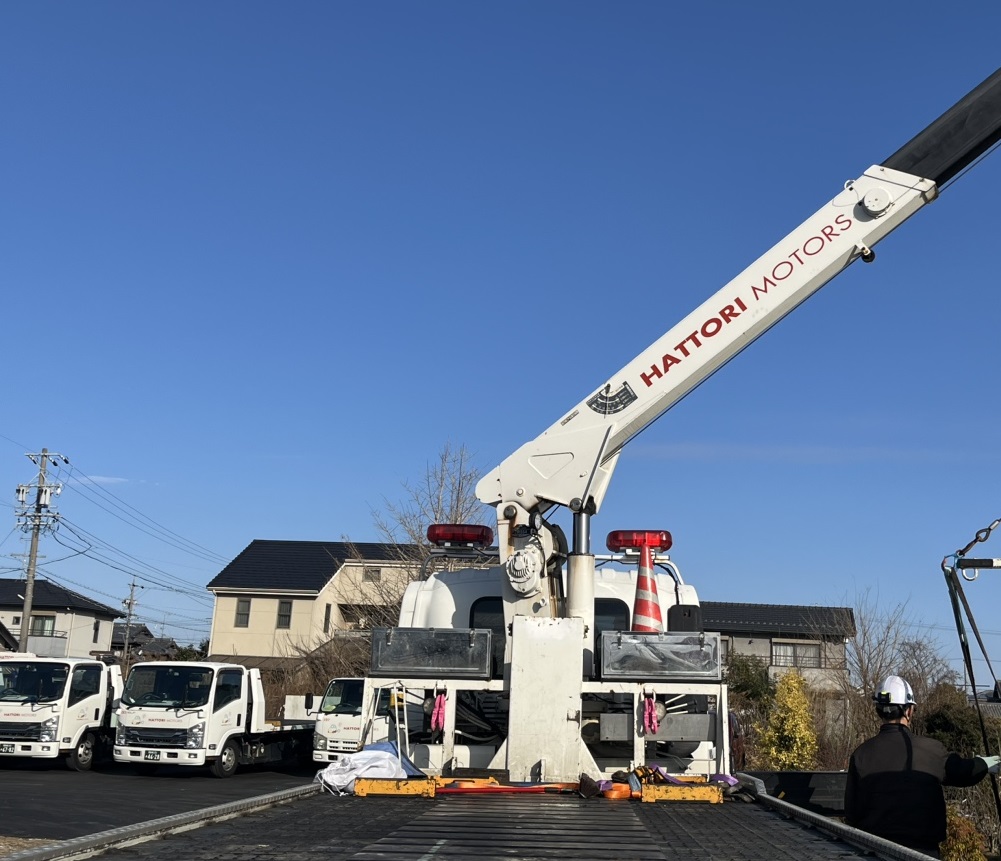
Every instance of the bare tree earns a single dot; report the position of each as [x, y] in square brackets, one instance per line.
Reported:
[883, 645]
[446, 493]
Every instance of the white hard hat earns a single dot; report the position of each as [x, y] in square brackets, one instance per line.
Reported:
[894, 692]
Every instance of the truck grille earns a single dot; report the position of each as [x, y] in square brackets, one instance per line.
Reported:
[20, 731]
[147, 737]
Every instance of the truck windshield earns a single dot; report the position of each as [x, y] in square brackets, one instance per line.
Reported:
[174, 686]
[29, 681]
[343, 696]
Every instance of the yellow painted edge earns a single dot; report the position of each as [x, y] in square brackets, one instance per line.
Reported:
[711, 794]
[376, 786]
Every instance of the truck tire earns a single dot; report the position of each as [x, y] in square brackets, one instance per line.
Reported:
[228, 759]
[81, 757]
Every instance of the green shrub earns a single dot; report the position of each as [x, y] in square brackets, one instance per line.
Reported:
[788, 740]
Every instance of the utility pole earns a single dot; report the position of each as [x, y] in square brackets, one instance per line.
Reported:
[130, 604]
[40, 518]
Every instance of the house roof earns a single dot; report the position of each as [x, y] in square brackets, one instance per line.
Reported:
[295, 566]
[49, 596]
[990, 705]
[157, 646]
[138, 633]
[778, 619]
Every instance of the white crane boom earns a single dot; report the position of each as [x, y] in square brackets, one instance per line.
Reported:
[571, 463]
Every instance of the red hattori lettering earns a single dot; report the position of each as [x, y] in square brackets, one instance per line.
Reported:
[711, 327]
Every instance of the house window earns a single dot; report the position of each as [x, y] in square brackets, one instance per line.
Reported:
[724, 649]
[357, 616]
[371, 575]
[284, 614]
[795, 654]
[326, 620]
[97, 629]
[242, 613]
[16, 620]
[42, 626]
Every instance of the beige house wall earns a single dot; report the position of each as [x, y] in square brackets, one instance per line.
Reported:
[263, 638]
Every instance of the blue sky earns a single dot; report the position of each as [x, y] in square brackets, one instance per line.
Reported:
[263, 260]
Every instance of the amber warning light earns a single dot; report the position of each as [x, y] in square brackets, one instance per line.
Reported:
[627, 539]
[445, 534]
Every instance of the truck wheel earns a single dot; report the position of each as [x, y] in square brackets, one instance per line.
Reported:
[226, 764]
[81, 758]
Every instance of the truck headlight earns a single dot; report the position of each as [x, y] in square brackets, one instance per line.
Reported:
[196, 735]
[49, 730]
[319, 741]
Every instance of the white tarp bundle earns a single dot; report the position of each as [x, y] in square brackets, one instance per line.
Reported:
[339, 777]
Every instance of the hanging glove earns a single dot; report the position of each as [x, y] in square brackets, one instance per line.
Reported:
[993, 763]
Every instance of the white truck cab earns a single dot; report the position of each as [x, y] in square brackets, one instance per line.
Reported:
[201, 713]
[344, 724]
[57, 707]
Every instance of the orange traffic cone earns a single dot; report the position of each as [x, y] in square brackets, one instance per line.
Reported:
[646, 609]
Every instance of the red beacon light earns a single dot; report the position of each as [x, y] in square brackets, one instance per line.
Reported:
[634, 539]
[465, 534]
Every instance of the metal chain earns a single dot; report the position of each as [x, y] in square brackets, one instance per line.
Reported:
[981, 535]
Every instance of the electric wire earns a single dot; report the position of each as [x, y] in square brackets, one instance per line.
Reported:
[135, 518]
[198, 597]
[92, 540]
[202, 625]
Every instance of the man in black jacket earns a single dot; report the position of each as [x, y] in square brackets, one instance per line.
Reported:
[895, 779]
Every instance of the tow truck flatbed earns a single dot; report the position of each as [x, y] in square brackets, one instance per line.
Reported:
[491, 828]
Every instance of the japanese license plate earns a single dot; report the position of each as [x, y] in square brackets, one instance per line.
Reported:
[6, 748]
[151, 754]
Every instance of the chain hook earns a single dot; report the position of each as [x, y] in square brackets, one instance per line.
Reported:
[980, 536]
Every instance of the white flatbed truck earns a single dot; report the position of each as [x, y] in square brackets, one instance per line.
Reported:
[57, 707]
[201, 713]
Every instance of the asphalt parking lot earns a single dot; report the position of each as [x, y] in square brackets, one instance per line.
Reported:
[47, 801]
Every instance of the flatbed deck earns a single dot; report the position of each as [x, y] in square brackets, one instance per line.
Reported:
[492, 828]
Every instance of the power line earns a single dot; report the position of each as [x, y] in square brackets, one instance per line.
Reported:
[193, 589]
[138, 520]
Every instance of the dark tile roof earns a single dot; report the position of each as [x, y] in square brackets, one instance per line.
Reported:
[778, 619]
[157, 646]
[49, 596]
[299, 566]
[138, 633]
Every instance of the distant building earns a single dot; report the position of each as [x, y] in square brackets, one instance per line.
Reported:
[280, 599]
[63, 623]
[143, 644]
[810, 639]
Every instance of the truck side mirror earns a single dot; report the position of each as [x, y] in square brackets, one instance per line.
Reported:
[309, 702]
